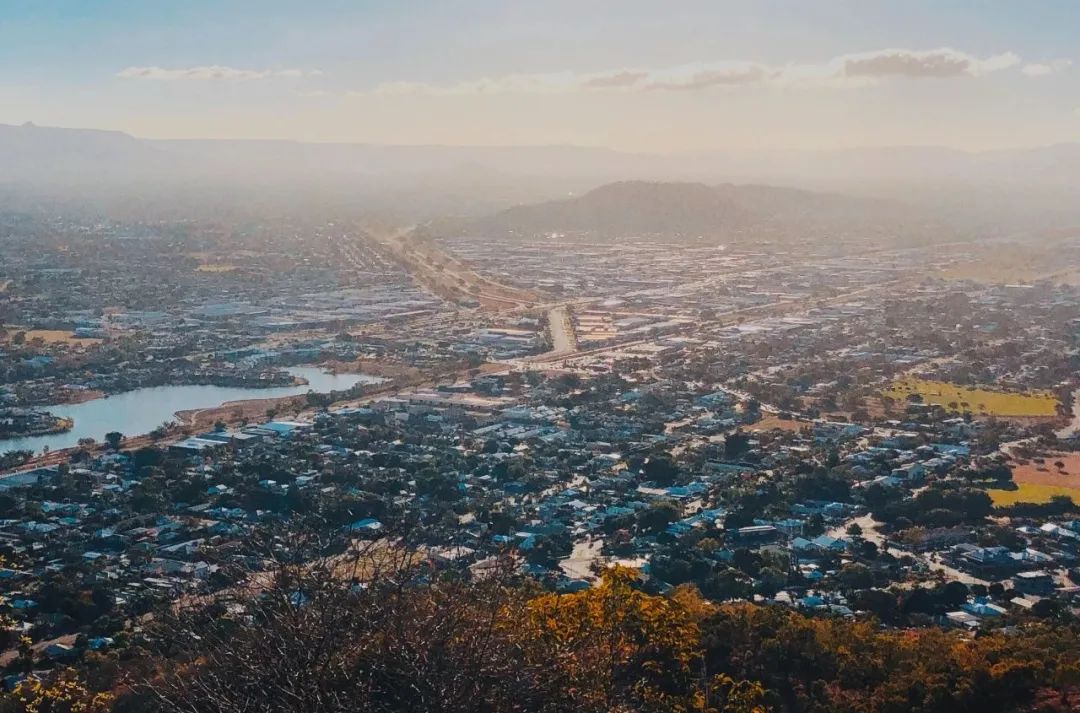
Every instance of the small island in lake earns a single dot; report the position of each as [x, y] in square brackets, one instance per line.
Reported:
[21, 422]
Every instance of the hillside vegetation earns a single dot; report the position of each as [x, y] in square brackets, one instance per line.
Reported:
[352, 635]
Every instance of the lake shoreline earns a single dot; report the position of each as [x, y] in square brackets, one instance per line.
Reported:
[141, 411]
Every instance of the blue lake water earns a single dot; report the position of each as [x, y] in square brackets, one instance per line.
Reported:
[140, 411]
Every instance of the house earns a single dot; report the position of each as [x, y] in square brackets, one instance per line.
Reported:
[962, 619]
[196, 446]
[983, 608]
[910, 472]
[1039, 582]
[283, 429]
[368, 524]
[61, 652]
[983, 558]
[824, 543]
[756, 533]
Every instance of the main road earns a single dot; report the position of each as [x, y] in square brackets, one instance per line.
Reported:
[563, 338]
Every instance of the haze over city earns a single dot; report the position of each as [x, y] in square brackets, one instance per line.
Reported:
[631, 75]
[503, 357]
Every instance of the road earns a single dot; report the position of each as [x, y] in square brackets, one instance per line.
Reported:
[871, 533]
[445, 275]
[578, 564]
[563, 338]
[1074, 424]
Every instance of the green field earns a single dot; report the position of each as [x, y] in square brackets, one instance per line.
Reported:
[1032, 493]
[979, 401]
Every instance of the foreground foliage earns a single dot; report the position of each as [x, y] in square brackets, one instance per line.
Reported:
[382, 631]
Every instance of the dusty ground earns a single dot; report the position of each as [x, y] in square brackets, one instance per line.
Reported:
[372, 367]
[78, 397]
[1013, 264]
[50, 336]
[578, 564]
[237, 412]
[1047, 473]
[1039, 482]
[771, 422]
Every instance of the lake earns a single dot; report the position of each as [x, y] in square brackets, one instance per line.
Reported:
[140, 411]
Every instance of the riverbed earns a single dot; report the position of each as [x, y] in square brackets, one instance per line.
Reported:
[140, 411]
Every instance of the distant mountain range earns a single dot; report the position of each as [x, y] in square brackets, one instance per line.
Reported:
[697, 210]
[999, 189]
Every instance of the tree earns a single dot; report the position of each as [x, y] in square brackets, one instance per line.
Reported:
[1066, 678]
[855, 576]
[954, 594]
[114, 439]
[736, 444]
[770, 581]
[67, 694]
[658, 516]
[1047, 609]
[628, 650]
[661, 469]
[416, 638]
[878, 602]
[398, 645]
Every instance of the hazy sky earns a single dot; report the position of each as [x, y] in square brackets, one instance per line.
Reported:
[623, 73]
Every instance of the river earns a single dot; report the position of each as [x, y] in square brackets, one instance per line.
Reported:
[140, 411]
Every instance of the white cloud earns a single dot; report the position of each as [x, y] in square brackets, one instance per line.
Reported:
[702, 77]
[846, 71]
[508, 84]
[617, 78]
[938, 63]
[1041, 69]
[212, 73]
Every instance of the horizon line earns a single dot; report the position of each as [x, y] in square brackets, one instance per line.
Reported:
[595, 147]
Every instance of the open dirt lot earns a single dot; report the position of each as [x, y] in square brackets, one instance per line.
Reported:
[771, 422]
[50, 336]
[1038, 482]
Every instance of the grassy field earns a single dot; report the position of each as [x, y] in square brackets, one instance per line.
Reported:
[984, 402]
[1040, 481]
[51, 336]
[1032, 493]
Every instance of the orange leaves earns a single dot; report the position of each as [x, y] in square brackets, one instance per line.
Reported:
[65, 695]
[616, 643]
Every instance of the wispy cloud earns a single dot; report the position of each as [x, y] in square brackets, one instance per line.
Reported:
[620, 78]
[1041, 69]
[725, 75]
[845, 71]
[211, 73]
[939, 63]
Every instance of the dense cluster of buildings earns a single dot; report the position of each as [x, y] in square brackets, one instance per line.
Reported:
[720, 421]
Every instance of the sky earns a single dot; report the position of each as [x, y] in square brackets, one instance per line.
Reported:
[627, 74]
